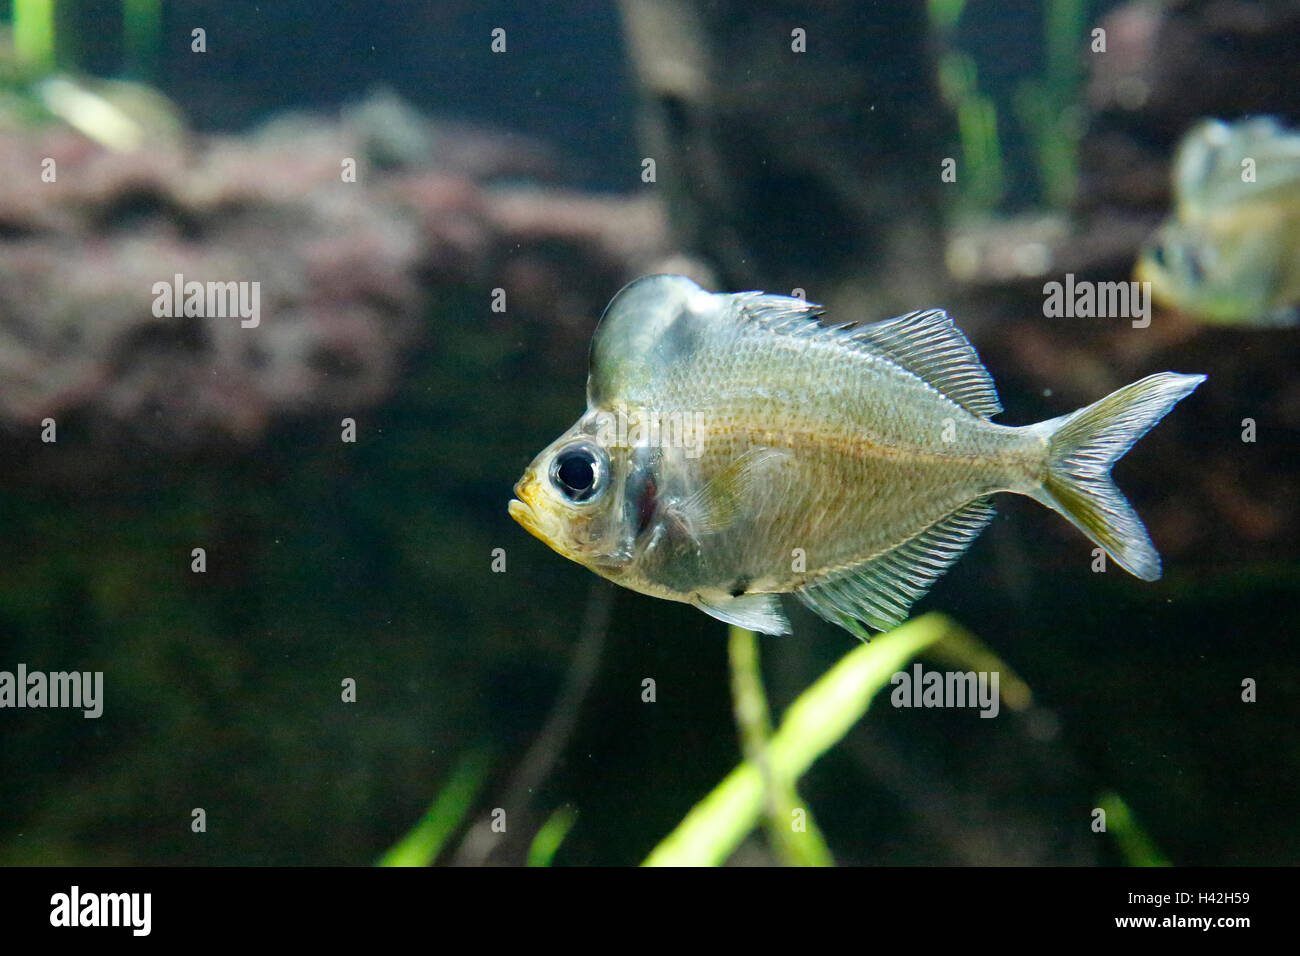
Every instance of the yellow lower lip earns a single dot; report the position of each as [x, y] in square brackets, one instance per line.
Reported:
[522, 513]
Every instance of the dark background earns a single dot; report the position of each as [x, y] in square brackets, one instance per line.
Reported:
[372, 561]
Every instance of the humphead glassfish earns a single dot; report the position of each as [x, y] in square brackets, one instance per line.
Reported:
[735, 448]
[1231, 250]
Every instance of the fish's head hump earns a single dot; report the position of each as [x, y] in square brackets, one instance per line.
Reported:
[651, 325]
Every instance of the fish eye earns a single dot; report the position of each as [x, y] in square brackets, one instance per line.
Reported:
[580, 471]
[1157, 251]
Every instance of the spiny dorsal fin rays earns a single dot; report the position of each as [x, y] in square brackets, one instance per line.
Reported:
[881, 590]
[657, 321]
[780, 313]
[927, 344]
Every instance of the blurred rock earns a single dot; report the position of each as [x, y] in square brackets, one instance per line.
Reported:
[345, 271]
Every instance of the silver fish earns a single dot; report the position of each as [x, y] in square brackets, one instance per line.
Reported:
[735, 448]
[1231, 251]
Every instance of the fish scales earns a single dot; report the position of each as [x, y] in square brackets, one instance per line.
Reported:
[847, 465]
[851, 419]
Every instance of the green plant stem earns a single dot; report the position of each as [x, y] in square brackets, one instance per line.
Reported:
[421, 846]
[34, 34]
[813, 724]
[793, 833]
[823, 714]
[1135, 844]
[550, 836]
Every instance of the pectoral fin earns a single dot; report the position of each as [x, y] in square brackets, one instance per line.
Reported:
[717, 504]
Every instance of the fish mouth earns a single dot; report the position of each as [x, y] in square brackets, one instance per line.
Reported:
[521, 513]
[521, 509]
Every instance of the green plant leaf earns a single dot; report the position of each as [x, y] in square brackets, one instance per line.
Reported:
[804, 846]
[1135, 844]
[812, 725]
[33, 34]
[423, 843]
[551, 835]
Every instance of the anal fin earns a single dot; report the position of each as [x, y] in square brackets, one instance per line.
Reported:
[880, 591]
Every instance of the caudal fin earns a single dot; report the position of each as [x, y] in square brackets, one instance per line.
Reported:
[1082, 448]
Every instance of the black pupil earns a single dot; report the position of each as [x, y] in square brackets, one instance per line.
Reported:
[577, 471]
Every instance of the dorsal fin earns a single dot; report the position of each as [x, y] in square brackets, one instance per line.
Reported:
[657, 322]
[927, 344]
[781, 313]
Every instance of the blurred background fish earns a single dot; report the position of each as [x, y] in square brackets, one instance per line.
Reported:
[1231, 250]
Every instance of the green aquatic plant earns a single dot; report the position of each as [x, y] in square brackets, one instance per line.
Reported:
[762, 790]
[982, 182]
[814, 723]
[1044, 107]
[1047, 106]
[551, 835]
[45, 33]
[763, 785]
[33, 31]
[422, 844]
[804, 846]
[42, 79]
[425, 841]
[1135, 844]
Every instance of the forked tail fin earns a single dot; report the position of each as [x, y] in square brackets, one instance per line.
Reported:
[1082, 448]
